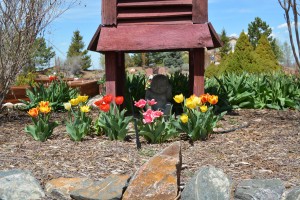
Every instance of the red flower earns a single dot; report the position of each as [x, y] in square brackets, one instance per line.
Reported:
[119, 100]
[52, 78]
[99, 102]
[104, 107]
[108, 98]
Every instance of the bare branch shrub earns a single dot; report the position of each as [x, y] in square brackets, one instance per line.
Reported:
[20, 23]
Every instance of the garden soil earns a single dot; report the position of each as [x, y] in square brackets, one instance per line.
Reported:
[248, 144]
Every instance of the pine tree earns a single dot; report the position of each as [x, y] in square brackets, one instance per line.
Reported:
[242, 59]
[256, 29]
[225, 49]
[265, 57]
[76, 50]
[173, 59]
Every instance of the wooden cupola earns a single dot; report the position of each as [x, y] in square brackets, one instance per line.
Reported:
[153, 25]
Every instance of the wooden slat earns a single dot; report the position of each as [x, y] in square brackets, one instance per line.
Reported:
[109, 12]
[196, 69]
[155, 3]
[159, 21]
[152, 15]
[200, 11]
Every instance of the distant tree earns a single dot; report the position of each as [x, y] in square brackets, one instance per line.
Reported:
[265, 57]
[41, 53]
[290, 8]
[156, 58]
[242, 59]
[137, 59]
[225, 49]
[256, 29]
[173, 59]
[76, 50]
[287, 58]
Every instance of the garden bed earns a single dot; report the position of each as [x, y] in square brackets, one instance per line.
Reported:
[268, 148]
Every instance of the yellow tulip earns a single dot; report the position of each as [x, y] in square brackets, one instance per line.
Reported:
[184, 118]
[45, 109]
[74, 102]
[85, 109]
[67, 105]
[213, 99]
[82, 98]
[178, 98]
[190, 103]
[203, 108]
[44, 103]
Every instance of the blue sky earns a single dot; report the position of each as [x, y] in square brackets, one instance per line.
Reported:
[232, 15]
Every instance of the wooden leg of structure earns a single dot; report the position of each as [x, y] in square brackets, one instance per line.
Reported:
[196, 71]
[115, 73]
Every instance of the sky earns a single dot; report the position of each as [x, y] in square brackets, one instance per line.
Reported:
[231, 15]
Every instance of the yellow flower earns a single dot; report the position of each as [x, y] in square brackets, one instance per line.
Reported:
[85, 109]
[44, 103]
[82, 98]
[67, 105]
[45, 109]
[190, 103]
[74, 102]
[184, 118]
[213, 99]
[178, 98]
[203, 108]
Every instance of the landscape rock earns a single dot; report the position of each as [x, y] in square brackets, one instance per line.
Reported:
[159, 178]
[207, 183]
[268, 189]
[19, 185]
[60, 188]
[111, 188]
[293, 194]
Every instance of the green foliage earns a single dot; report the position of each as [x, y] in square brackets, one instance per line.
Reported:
[42, 54]
[225, 49]
[57, 93]
[26, 79]
[264, 56]
[212, 70]
[173, 59]
[256, 29]
[76, 50]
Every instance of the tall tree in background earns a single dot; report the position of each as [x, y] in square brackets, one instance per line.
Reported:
[20, 24]
[76, 50]
[174, 59]
[225, 49]
[290, 8]
[287, 58]
[256, 29]
[41, 53]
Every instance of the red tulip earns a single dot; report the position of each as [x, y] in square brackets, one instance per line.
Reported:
[108, 98]
[119, 100]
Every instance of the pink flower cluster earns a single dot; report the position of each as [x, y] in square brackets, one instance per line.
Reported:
[150, 115]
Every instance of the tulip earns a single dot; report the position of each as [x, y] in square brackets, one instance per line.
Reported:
[119, 100]
[67, 105]
[99, 102]
[74, 102]
[45, 109]
[204, 98]
[104, 107]
[203, 108]
[85, 109]
[184, 118]
[190, 103]
[82, 98]
[213, 99]
[140, 104]
[108, 98]
[34, 112]
[178, 98]
[151, 102]
[44, 103]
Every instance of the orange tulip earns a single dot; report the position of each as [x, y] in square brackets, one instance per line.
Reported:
[119, 100]
[34, 112]
[213, 99]
[44, 104]
[204, 98]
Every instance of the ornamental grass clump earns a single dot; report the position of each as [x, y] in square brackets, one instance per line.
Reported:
[112, 120]
[42, 128]
[78, 124]
[198, 118]
[154, 126]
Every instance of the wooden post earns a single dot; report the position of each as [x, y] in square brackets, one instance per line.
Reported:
[196, 71]
[200, 11]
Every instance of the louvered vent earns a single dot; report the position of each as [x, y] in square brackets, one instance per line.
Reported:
[154, 12]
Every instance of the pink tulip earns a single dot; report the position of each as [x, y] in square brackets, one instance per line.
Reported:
[157, 114]
[140, 104]
[151, 102]
[148, 119]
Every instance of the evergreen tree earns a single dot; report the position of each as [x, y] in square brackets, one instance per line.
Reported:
[256, 29]
[42, 54]
[173, 59]
[225, 49]
[242, 59]
[265, 57]
[76, 50]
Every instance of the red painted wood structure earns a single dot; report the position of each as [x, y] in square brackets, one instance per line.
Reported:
[153, 25]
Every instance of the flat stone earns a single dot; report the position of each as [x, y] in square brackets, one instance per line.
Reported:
[60, 188]
[159, 178]
[19, 185]
[207, 183]
[268, 189]
[293, 194]
[110, 188]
